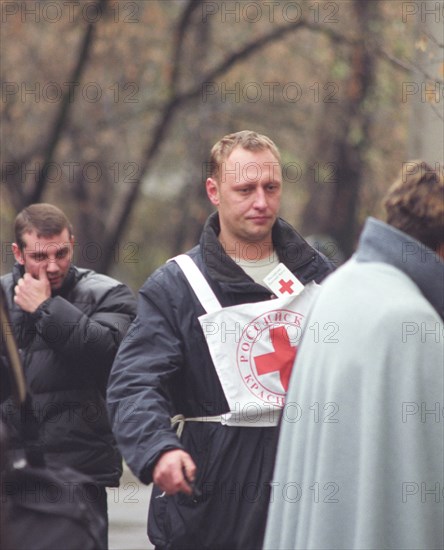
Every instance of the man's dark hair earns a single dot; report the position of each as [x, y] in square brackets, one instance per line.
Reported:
[415, 203]
[45, 219]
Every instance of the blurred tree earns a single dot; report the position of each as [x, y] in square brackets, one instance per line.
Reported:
[110, 109]
[343, 136]
[191, 203]
[425, 89]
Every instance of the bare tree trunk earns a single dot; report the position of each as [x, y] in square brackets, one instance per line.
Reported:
[342, 142]
[35, 194]
[192, 202]
[424, 90]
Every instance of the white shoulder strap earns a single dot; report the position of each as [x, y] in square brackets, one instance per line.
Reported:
[198, 283]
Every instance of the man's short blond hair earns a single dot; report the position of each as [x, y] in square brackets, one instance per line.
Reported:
[247, 139]
[415, 203]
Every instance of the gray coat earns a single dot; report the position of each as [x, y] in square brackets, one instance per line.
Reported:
[360, 456]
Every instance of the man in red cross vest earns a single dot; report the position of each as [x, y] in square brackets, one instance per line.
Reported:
[207, 481]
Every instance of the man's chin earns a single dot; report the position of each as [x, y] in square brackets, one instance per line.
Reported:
[260, 231]
[257, 236]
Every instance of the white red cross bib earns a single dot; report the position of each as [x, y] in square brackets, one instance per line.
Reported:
[253, 347]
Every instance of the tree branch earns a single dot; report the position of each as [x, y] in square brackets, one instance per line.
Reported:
[182, 27]
[65, 105]
[120, 213]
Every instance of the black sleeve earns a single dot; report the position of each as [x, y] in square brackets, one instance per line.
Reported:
[138, 399]
[92, 339]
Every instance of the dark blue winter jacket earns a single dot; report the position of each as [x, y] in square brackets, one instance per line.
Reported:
[163, 368]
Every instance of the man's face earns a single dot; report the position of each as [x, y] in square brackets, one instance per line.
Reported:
[56, 252]
[247, 194]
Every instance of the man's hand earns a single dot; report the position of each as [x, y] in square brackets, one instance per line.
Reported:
[168, 473]
[30, 292]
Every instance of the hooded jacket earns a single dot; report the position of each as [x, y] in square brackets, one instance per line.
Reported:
[164, 368]
[67, 347]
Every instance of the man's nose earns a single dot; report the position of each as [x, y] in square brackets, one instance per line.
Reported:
[51, 265]
[260, 199]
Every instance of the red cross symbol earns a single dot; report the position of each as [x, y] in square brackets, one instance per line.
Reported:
[286, 286]
[281, 359]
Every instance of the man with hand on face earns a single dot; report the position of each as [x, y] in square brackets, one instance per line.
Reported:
[207, 478]
[68, 323]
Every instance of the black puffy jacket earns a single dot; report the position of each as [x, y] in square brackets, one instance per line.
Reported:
[163, 367]
[67, 348]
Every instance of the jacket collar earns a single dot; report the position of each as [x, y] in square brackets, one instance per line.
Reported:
[381, 242]
[290, 247]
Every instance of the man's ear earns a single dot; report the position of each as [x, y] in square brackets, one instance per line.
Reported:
[18, 255]
[213, 191]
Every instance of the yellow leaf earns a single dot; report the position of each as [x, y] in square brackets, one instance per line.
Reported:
[421, 44]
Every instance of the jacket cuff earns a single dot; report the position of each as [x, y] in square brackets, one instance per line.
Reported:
[43, 307]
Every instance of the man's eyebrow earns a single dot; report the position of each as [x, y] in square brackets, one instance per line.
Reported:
[45, 249]
[64, 248]
[35, 252]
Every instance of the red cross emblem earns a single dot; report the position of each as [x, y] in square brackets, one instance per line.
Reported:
[281, 359]
[286, 286]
